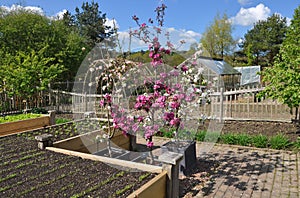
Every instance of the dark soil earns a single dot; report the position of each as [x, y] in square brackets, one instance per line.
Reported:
[27, 171]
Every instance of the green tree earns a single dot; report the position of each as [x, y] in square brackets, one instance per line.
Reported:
[23, 31]
[263, 41]
[26, 74]
[217, 38]
[90, 22]
[35, 51]
[284, 77]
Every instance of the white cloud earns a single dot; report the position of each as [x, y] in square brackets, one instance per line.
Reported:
[245, 2]
[247, 17]
[33, 9]
[112, 23]
[288, 21]
[60, 14]
[176, 36]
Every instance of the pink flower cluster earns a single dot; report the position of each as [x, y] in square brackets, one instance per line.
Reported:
[156, 53]
[106, 100]
[143, 102]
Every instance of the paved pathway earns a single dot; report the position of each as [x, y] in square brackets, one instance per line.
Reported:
[248, 172]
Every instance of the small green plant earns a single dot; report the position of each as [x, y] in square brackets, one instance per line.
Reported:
[167, 133]
[142, 177]
[243, 139]
[260, 141]
[12, 118]
[200, 136]
[229, 138]
[211, 136]
[62, 120]
[279, 142]
[127, 187]
[296, 144]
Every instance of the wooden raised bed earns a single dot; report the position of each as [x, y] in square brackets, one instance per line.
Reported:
[24, 125]
[156, 187]
[86, 143]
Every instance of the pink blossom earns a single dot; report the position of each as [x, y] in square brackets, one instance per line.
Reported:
[150, 144]
[163, 75]
[175, 105]
[169, 44]
[140, 119]
[168, 51]
[175, 122]
[184, 68]
[102, 103]
[169, 116]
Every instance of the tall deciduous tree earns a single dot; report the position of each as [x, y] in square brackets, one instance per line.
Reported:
[217, 38]
[263, 41]
[284, 77]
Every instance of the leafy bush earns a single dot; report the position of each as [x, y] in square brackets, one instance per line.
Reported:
[211, 136]
[243, 139]
[166, 133]
[260, 141]
[279, 142]
[37, 110]
[200, 136]
[229, 138]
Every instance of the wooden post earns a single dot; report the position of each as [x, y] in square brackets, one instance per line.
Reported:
[52, 117]
[85, 102]
[221, 104]
[171, 163]
[44, 140]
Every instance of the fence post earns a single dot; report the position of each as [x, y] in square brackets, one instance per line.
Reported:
[52, 117]
[85, 102]
[221, 104]
[50, 96]
[171, 163]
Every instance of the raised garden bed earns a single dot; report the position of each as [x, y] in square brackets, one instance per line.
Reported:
[15, 126]
[29, 172]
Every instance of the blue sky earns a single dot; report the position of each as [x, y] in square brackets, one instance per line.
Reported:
[189, 17]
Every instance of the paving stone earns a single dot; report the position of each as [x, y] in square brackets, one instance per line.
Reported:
[256, 173]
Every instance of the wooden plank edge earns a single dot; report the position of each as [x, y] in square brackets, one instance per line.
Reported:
[150, 189]
[117, 162]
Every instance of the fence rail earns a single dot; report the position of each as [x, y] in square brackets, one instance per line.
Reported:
[243, 104]
[238, 104]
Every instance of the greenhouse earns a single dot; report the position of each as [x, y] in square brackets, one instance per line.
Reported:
[219, 73]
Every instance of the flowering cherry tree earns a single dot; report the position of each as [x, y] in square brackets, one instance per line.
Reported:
[164, 95]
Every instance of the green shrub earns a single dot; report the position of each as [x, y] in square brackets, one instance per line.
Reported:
[200, 136]
[243, 139]
[37, 110]
[279, 142]
[166, 133]
[260, 141]
[229, 138]
[211, 136]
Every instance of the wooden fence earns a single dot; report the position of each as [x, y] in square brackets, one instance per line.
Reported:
[238, 104]
[243, 104]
